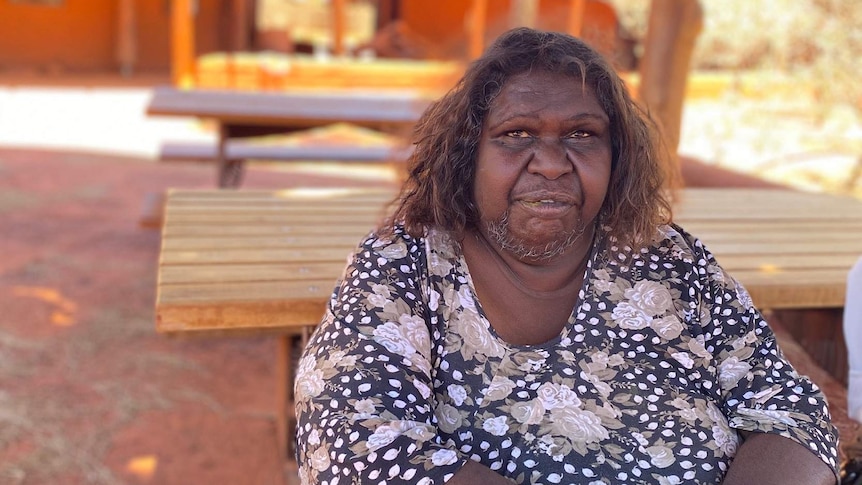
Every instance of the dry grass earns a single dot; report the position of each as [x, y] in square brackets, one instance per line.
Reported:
[808, 134]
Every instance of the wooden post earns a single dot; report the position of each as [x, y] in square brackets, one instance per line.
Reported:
[523, 13]
[126, 48]
[339, 8]
[576, 17]
[239, 26]
[673, 28]
[183, 43]
[477, 13]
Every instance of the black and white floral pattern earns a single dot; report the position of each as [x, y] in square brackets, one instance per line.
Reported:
[661, 364]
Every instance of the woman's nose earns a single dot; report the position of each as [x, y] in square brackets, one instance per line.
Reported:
[550, 159]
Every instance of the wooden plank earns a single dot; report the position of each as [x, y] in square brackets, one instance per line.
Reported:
[242, 317]
[790, 276]
[250, 291]
[768, 214]
[372, 209]
[291, 109]
[275, 218]
[290, 198]
[295, 195]
[779, 295]
[728, 225]
[245, 256]
[211, 230]
[264, 242]
[773, 262]
[771, 234]
[249, 150]
[786, 247]
[711, 202]
[233, 273]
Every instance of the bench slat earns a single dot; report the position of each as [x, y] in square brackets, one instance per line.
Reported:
[292, 109]
[234, 273]
[331, 219]
[271, 256]
[254, 243]
[214, 231]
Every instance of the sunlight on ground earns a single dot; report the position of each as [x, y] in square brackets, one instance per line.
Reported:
[143, 467]
[65, 309]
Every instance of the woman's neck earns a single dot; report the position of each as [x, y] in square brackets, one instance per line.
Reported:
[545, 279]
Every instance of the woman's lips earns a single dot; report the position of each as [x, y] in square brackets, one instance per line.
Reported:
[546, 207]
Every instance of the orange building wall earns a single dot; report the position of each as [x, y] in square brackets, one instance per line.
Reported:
[80, 35]
[152, 20]
[77, 34]
[152, 23]
[443, 21]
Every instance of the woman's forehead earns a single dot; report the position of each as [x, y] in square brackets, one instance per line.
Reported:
[537, 89]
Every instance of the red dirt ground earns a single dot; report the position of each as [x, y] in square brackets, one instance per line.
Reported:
[89, 393]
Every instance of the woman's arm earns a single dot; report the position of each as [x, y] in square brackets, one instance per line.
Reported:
[766, 459]
[365, 395]
[783, 415]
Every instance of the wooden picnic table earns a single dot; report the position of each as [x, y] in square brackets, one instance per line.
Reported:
[239, 114]
[235, 262]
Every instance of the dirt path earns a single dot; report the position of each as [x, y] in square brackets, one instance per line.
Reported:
[89, 393]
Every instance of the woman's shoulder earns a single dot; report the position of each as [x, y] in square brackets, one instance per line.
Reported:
[687, 253]
[670, 243]
[391, 243]
[673, 253]
[675, 234]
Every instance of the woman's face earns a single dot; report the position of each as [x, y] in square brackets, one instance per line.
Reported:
[544, 164]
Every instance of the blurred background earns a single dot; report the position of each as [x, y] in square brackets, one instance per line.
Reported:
[772, 89]
[89, 393]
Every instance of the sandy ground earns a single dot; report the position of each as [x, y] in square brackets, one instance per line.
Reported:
[89, 393]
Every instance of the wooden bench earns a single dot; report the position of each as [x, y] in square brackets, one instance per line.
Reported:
[238, 152]
[236, 262]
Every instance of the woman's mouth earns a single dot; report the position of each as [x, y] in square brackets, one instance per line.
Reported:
[540, 203]
[547, 207]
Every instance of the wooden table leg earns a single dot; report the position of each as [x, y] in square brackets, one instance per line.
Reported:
[820, 332]
[283, 401]
[285, 378]
[230, 171]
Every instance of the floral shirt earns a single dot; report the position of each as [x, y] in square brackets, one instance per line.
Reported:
[661, 363]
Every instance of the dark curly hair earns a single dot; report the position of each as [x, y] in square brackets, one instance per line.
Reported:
[439, 189]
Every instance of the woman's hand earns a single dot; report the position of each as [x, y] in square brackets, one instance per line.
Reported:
[766, 459]
[473, 472]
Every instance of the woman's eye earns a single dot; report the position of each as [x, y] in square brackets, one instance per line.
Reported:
[517, 134]
[580, 134]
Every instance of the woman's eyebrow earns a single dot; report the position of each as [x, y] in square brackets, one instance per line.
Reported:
[590, 116]
[516, 117]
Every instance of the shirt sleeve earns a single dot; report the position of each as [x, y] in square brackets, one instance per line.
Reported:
[364, 398]
[760, 391]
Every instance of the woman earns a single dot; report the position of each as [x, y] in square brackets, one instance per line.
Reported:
[529, 314]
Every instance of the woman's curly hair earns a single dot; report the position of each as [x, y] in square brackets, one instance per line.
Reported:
[439, 189]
